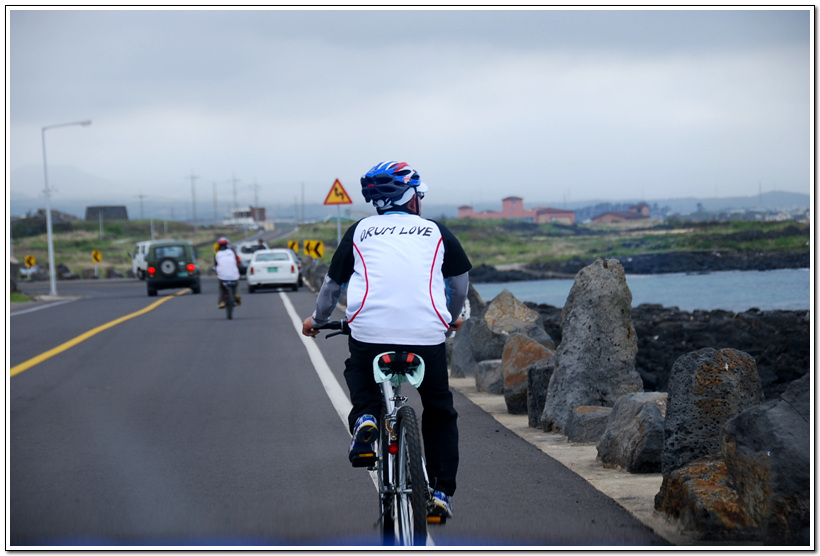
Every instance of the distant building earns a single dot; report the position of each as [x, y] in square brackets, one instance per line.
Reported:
[635, 212]
[108, 213]
[252, 217]
[546, 214]
[512, 208]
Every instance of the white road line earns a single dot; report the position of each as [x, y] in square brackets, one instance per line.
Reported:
[42, 307]
[334, 391]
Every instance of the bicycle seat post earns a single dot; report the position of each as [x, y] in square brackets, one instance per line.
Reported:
[389, 397]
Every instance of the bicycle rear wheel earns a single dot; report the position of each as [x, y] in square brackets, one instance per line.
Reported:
[411, 495]
[229, 302]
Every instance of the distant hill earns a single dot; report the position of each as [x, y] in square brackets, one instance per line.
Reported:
[772, 200]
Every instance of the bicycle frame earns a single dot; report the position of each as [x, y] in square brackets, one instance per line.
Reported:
[401, 469]
[393, 401]
[404, 487]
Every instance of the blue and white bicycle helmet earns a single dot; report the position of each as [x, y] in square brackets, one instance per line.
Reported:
[391, 184]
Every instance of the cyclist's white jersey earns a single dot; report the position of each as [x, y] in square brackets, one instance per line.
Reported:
[226, 268]
[396, 292]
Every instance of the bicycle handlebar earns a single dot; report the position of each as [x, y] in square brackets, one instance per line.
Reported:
[340, 325]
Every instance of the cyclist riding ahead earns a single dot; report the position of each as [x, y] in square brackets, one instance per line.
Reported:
[407, 280]
[226, 261]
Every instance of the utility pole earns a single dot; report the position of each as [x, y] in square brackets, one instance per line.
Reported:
[234, 179]
[51, 267]
[193, 197]
[141, 197]
[255, 188]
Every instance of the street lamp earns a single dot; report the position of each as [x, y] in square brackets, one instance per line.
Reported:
[51, 269]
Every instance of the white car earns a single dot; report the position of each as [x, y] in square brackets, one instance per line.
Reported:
[273, 268]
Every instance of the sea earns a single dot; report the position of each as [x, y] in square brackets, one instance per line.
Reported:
[737, 291]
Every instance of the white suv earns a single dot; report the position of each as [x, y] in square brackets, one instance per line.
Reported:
[138, 263]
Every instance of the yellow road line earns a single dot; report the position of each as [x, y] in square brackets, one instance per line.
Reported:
[17, 369]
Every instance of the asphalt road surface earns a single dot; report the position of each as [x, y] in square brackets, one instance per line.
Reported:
[158, 422]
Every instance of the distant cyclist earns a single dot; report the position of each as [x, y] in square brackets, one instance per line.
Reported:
[406, 280]
[227, 268]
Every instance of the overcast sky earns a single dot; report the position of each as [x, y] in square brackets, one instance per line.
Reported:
[549, 105]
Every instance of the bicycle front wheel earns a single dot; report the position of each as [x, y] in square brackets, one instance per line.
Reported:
[411, 489]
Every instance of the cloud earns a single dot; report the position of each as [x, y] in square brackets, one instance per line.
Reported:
[543, 103]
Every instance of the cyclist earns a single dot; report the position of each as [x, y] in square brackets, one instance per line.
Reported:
[227, 268]
[406, 279]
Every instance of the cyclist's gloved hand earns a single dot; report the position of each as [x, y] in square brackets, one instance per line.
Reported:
[456, 325]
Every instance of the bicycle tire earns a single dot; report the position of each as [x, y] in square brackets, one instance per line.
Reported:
[411, 495]
[229, 301]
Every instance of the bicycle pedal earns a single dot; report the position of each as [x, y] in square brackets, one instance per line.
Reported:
[436, 519]
[365, 459]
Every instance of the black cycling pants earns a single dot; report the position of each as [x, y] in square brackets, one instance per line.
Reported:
[438, 420]
[222, 289]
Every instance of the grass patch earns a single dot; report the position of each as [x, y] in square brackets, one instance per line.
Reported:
[16, 297]
[497, 242]
[493, 242]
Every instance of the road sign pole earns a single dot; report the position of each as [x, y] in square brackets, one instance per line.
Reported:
[338, 196]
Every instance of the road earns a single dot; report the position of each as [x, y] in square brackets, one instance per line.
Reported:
[178, 427]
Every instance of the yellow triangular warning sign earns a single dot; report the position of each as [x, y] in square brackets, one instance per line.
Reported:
[338, 195]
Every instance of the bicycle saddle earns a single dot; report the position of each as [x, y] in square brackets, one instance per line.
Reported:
[398, 367]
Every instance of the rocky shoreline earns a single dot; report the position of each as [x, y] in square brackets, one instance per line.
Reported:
[655, 390]
[779, 341]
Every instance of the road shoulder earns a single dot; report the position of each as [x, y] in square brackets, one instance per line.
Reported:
[39, 302]
[634, 492]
